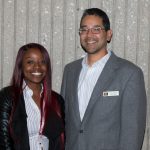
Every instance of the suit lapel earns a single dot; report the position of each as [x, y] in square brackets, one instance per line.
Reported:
[19, 125]
[106, 77]
[20, 109]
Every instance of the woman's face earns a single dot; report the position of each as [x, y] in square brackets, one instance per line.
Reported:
[34, 67]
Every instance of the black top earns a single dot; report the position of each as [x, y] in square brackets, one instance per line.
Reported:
[18, 139]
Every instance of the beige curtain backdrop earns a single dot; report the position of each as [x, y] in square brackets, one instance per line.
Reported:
[55, 23]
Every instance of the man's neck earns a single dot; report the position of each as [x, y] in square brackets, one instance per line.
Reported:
[92, 58]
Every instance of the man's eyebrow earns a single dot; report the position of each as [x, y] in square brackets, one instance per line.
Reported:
[93, 26]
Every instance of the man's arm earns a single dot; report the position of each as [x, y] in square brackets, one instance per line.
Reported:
[63, 85]
[133, 113]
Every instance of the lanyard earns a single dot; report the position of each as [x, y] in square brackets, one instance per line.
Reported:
[42, 117]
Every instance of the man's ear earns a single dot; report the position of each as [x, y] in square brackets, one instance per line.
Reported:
[109, 35]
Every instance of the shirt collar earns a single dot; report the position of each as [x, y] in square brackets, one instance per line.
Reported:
[27, 90]
[103, 60]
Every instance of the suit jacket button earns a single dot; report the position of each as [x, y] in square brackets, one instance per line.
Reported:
[81, 131]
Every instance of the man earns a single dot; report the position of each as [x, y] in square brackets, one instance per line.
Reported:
[105, 98]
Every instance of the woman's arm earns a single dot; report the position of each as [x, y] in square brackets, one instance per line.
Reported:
[5, 111]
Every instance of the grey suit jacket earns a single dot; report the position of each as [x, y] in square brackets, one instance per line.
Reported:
[115, 117]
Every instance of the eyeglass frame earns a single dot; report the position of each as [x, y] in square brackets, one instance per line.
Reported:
[86, 30]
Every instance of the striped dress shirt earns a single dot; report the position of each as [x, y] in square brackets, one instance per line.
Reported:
[36, 141]
[87, 80]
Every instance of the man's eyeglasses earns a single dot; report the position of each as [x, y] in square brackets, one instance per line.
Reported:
[94, 30]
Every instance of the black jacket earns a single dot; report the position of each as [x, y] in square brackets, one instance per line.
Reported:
[19, 139]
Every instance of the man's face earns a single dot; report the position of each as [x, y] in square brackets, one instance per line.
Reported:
[93, 36]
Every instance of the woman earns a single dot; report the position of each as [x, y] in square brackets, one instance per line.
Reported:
[31, 114]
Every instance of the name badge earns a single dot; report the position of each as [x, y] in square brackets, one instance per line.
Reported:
[43, 142]
[38, 142]
[110, 93]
